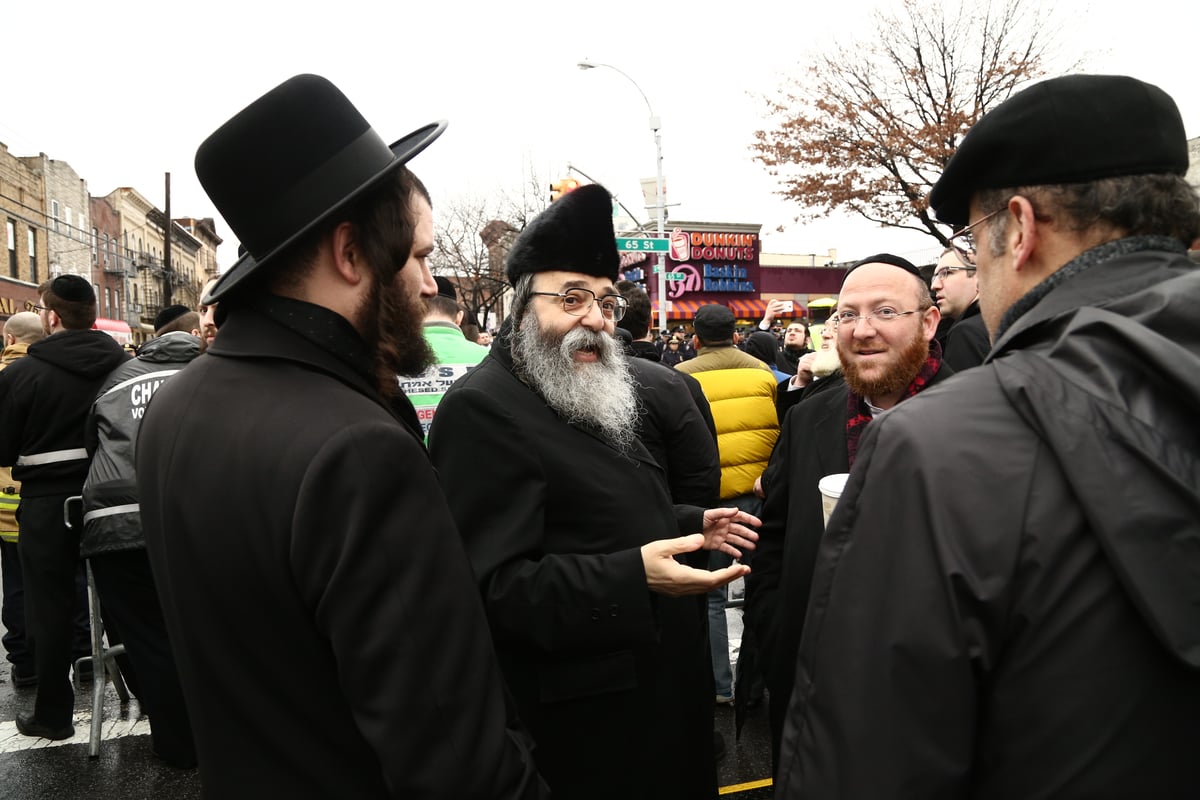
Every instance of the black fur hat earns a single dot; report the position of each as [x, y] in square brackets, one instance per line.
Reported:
[575, 234]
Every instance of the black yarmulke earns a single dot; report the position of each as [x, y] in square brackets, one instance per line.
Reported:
[73, 289]
[1073, 129]
[575, 234]
[445, 287]
[885, 258]
[169, 315]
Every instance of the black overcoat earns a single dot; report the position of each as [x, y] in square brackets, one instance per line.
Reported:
[811, 445]
[614, 681]
[329, 636]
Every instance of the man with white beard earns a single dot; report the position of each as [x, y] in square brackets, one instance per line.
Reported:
[882, 327]
[601, 632]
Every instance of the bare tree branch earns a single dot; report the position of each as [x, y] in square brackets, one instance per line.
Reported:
[868, 128]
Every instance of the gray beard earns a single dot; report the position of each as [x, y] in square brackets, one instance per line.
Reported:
[825, 362]
[600, 394]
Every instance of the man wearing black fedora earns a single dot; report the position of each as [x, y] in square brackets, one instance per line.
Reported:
[329, 638]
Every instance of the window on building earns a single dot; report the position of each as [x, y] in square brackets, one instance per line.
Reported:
[95, 242]
[108, 302]
[106, 246]
[33, 270]
[11, 229]
[54, 212]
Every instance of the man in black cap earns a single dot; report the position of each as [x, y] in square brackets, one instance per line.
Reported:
[1010, 608]
[885, 320]
[324, 619]
[112, 530]
[600, 630]
[44, 400]
[453, 355]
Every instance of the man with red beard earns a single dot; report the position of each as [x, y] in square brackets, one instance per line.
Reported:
[601, 632]
[329, 638]
[885, 322]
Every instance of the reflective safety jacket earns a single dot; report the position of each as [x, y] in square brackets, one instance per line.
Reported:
[112, 520]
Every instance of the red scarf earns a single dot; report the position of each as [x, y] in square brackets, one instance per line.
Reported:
[858, 414]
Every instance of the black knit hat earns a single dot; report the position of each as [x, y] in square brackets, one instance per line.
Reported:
[1074, 129]
[575, 234]
[169, 315]
[714, 323]
[288, 161]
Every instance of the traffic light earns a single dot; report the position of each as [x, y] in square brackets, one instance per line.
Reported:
[561, 187]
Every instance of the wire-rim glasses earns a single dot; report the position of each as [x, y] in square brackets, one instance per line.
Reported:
[964, 240]
[944, 273]
[578, 302]
[880, 315]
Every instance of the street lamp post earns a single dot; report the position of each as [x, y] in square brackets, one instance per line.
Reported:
[655, 125]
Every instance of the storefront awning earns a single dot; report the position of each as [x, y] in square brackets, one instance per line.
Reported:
[746, 308]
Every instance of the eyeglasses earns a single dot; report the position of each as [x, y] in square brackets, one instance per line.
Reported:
[34, 307]
[944, 272]
[578, 302]
[964, 240]
[880, 315]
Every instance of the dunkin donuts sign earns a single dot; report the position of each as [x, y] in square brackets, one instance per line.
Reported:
[713, 261]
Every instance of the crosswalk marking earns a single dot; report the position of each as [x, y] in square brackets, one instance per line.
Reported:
[12, 740]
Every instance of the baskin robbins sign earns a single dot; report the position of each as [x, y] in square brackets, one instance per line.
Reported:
[717, 262]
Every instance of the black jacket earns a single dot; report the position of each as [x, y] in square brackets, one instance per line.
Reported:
[44, 402]
[811, 445]
[1011, 608]
[111, 518]
[967, 343]
[676, 425]
[324, 618]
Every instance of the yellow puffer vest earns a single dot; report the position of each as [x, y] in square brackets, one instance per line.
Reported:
[743, 407]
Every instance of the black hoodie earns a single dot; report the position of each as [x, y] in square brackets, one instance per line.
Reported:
[44, 402]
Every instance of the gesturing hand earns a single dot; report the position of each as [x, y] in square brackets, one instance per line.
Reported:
[667, 576]
[726, 527]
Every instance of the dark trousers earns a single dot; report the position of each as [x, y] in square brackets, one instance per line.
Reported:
[49, 568]
[12, 612]
[132, 611]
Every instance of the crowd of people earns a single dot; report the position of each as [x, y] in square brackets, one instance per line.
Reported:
[320, 595]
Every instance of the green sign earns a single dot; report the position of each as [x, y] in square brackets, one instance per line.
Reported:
[643, 245]
[677, 276]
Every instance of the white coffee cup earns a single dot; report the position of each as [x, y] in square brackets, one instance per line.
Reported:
[831, 487]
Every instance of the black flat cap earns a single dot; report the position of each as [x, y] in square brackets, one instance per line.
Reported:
[1073, 129]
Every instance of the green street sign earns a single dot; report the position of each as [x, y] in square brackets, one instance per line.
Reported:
[677, 276]
[643, 245]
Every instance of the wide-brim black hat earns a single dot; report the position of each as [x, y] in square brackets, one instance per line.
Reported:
[287, 162]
